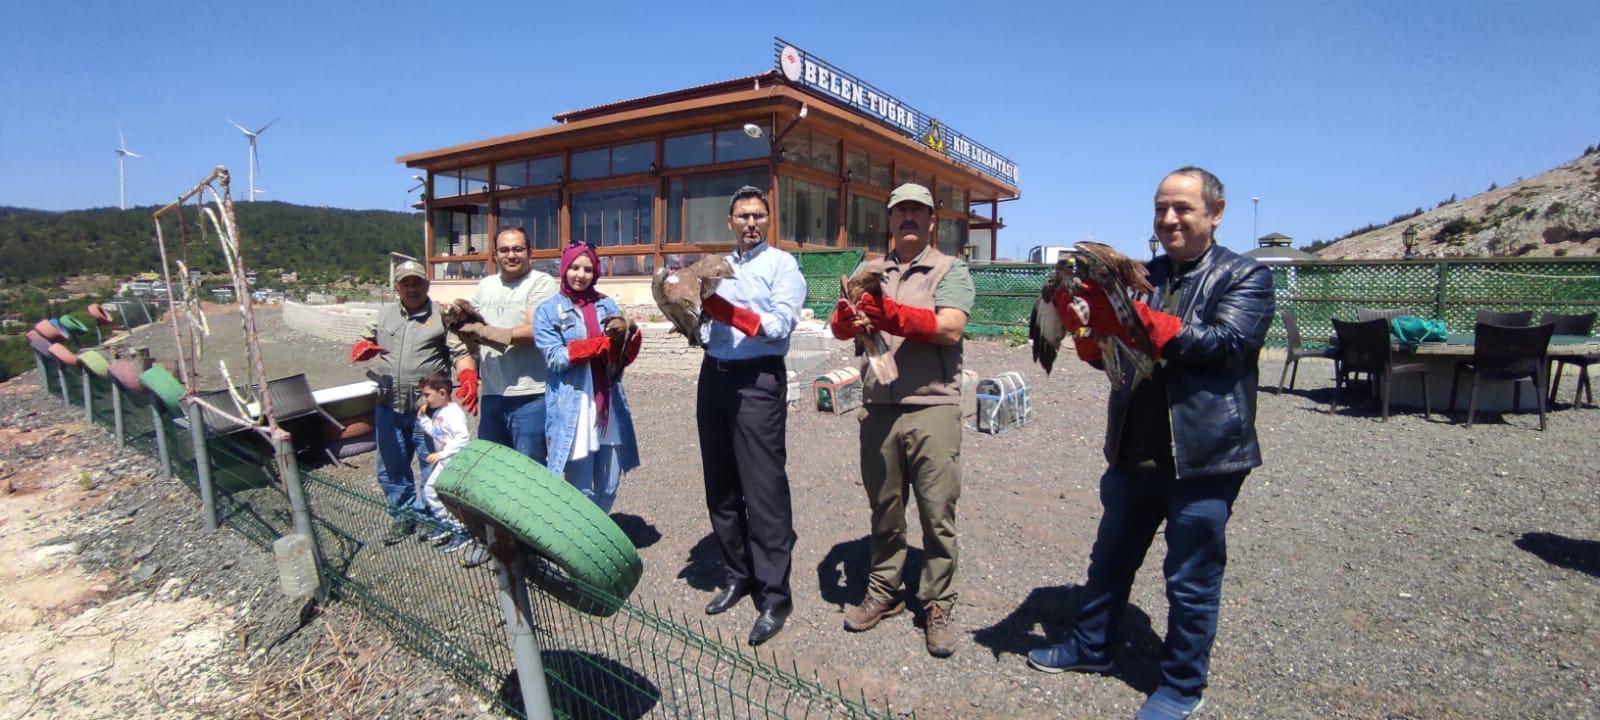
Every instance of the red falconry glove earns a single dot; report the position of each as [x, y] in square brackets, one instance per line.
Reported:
[365, 350]
[911, 323]
[741, 319]
[1088, 349]
[843, 321]
[1160, 326]
[587, 349]
[630, 351]
[467, 390]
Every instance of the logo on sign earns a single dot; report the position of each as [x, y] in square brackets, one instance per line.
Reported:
[789, 59]
[934, 138]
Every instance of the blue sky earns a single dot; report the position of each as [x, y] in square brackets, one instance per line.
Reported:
[1335, 114]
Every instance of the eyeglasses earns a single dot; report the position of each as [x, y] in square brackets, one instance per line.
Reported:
[511, 249]
[748, 218]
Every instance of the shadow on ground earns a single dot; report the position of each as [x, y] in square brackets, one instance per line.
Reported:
[842, 574]
[585, 685]
[1137, 656]
[1562, 551]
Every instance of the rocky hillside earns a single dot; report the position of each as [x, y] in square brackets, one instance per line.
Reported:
[1553, 214]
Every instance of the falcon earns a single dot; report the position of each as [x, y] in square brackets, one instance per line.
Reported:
[1120, 277]
[680, 293]
[869, 279]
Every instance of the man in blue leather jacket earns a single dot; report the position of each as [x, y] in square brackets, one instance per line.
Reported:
[1178, 444]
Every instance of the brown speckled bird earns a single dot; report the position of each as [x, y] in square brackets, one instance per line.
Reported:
[457, 316]
[620, 330]
[1121, 277]
[679, 294]
[869, 279]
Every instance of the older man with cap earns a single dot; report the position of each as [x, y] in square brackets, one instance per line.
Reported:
[742, 410]
[911, 430]
[410, 340]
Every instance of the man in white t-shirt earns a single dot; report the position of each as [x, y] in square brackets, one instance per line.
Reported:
[512, 380]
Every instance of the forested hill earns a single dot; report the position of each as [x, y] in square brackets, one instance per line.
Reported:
[320, 243]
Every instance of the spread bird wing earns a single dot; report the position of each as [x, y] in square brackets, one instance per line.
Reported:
[666, 288]
[1117, 274]
[1045, 330]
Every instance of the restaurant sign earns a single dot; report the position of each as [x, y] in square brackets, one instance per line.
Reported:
[815, 74]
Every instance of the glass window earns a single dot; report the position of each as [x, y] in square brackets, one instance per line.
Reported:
[869, 224]
[697, 205]
[855, 164]
[461, 230]
[615, 265]
[538, 216]
[678, 262]
[733, 144]
[797, 146]
[511, 175]
[880, 175]
[446, 184]
[903, 175]
[633, 158]
[615, 216]
[952, 197]
[475, 180]
[460, 269]
[952, 236]
[687, 150]
[545, 170]
[824, 152]
[809, 213]
[590, 164]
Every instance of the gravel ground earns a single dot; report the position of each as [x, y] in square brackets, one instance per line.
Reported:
[1408, 569]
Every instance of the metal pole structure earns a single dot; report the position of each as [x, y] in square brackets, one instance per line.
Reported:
[202, 463]
[1255, 214]
[513, 592]
[44, 380]
[61, 379]
[289, 469]
[116, 411]
[88, 398]
[161, 440]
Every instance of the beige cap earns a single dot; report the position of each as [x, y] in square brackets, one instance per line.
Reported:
[409, 268]
[912, 192]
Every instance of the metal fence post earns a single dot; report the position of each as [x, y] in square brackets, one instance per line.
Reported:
[1440, 292]
[44, 380]
[513, 592]
[289, 468]
[61, 379]
[161, 439]
[202, 464]
[116, 411]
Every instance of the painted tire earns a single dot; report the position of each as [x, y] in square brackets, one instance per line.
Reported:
[163, 385]
[72, 324]
[94, 362]
[351, 447]
[38, 343]
[63, 355]
[49, 331]
[492, 482]
[353, 428]
[100, 315]
[127, 375]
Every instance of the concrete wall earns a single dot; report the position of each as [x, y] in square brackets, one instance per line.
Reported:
[342, 323]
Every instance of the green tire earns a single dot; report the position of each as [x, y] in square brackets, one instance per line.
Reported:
[72, 323]
[94, 362]
[494, 483]
[163, 385]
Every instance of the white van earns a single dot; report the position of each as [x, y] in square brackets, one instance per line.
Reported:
[1046, 254]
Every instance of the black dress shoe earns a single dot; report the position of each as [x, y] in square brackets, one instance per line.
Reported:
[770, 622]
[726, 597]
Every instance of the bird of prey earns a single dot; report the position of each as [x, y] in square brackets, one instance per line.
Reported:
[1121, 278]
[680, 293]
[621, 331]
[461, 317]
[869, 279]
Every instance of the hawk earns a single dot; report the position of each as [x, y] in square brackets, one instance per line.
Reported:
[680, 293]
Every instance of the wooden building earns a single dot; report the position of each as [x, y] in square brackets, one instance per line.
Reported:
[647, 180]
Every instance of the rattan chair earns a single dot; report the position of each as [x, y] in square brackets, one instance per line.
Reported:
[1572, 325]
[1294, 352]
[1506, 353]
[1365, 314]
[1505, 319]
[1364, 348]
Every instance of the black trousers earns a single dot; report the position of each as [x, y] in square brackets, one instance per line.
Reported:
[743, 415]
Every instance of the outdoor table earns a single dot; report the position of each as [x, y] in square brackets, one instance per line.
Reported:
[1493, 396]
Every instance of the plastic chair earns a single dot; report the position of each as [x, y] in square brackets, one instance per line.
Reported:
[1295, 352]
[1506, 353]
[1505, 319]
[1364, 348]
[1365, 314]
[1572, 325]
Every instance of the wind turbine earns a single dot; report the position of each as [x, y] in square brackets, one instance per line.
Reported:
[123, 153]
[255, 160]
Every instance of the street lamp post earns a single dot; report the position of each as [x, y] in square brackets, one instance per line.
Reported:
[1155, 244]
[1409, 237]
[1255, 215]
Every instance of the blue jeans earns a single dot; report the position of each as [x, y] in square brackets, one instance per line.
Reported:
[597, 476]
[1196, 512]
[515, 422]
[399, 439]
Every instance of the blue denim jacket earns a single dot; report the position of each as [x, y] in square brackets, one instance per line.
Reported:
[556, 323]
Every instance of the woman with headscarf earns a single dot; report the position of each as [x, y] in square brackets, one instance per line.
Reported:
[588, 427]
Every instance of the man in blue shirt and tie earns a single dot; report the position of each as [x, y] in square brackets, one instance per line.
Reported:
[742, 410]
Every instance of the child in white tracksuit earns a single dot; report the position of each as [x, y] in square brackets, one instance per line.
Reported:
[446, 425]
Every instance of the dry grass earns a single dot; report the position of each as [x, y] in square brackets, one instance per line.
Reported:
[338, 677]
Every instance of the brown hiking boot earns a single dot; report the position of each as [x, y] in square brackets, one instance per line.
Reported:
[863, 617]
[941, 632]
